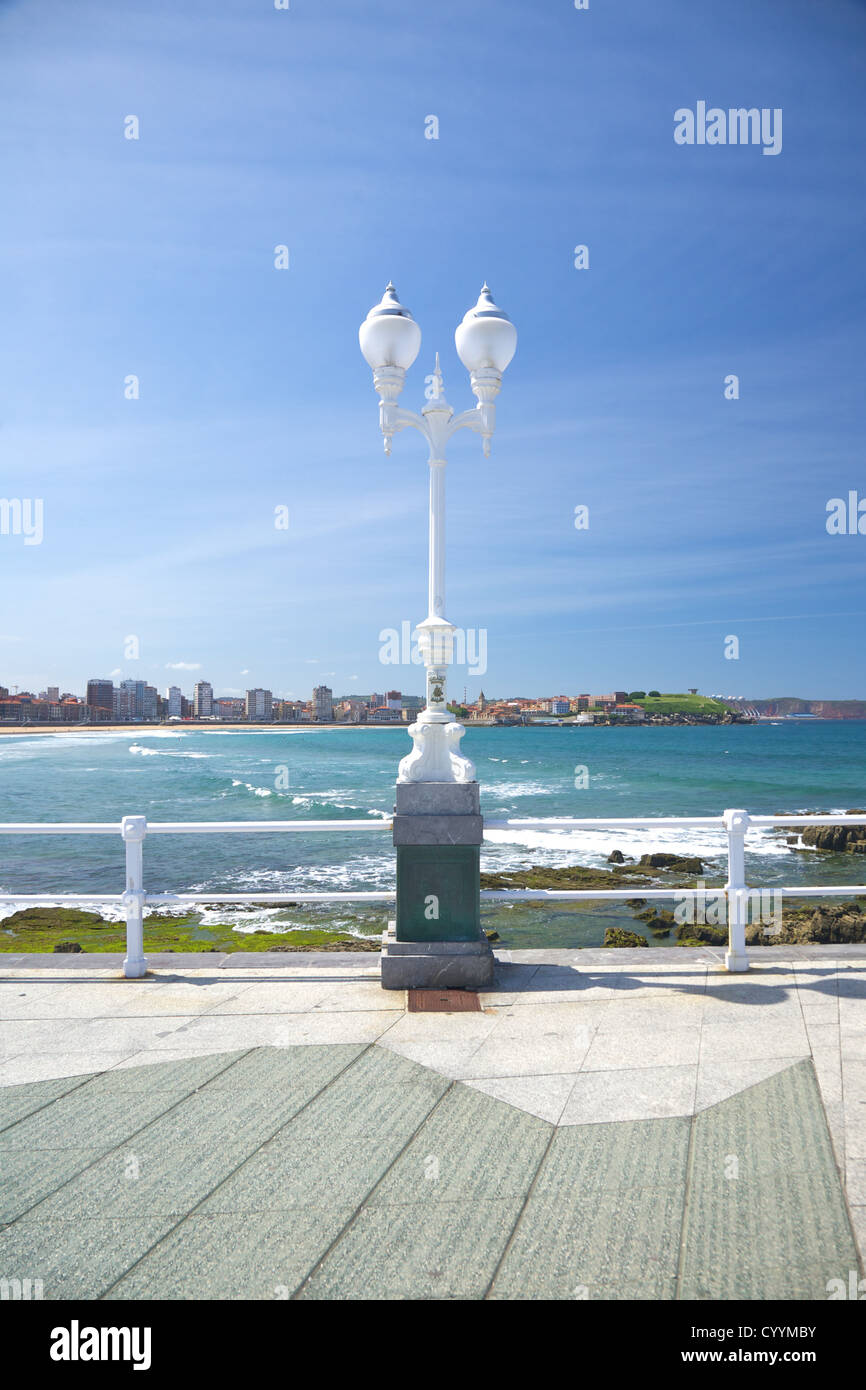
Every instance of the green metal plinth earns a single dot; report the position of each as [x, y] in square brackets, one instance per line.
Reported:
[438, 893]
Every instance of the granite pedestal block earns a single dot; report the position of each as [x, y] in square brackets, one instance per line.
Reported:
[436, 940]
[438, 830]
[437, 799]
[436, 964]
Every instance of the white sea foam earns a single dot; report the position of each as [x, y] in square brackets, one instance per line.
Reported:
[251, 787]
[136, 748]
[338, 801]
[519, 789]
[67, 739]
[588, 846]
[158, 733]
[363, 872]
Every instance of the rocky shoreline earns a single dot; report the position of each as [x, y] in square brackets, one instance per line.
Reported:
[39, 930]
[826, 924]
[835, 839]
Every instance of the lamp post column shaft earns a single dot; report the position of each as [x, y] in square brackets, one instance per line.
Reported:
[436, 582]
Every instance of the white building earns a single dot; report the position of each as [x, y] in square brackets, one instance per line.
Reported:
[260, 704]
[173, 699]
[202, 700]
[323, 703]
[558, 705]
[130, 700]
[123, 702]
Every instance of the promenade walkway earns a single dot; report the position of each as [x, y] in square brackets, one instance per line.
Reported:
[607, 1125]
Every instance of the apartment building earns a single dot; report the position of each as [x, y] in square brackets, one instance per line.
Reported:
[259, 704]
[202, 700]
[323, 704]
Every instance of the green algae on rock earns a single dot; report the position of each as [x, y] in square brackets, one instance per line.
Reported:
[43, 930]
[618, 936]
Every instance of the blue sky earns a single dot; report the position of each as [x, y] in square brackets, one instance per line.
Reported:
[306, 127]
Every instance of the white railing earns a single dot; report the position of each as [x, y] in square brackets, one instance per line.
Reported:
[735, 823]
[134, 829]
[134, 899]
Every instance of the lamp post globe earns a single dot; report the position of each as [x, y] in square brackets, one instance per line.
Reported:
[389, 336]
[486, 339]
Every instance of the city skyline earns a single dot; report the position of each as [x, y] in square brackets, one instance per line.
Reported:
[196, 395]
[460, 696]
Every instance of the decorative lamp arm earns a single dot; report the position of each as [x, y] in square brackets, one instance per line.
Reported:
[482, 419]
[393, 418]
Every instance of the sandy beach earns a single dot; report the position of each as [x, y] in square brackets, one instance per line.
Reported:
[187, 725]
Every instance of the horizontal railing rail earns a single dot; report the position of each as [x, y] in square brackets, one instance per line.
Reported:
[183, 827]
[651, 822]
[734, 824]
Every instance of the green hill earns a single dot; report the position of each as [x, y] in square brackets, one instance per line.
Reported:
[682, 704]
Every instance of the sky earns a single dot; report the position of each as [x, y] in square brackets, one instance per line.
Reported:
[305, 127]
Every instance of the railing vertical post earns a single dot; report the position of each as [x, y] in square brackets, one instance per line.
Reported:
[736, 824]
[133, 829]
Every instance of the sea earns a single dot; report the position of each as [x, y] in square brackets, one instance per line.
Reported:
[790, 766]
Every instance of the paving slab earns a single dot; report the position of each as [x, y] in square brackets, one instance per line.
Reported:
[92, 999]
[719, 1078]
[82, 1120]
[449, 1058]
[549, 984]
[766, 1208]
[77, 1259]
[93, 1035]
[615, 1157]
[855, 1175]
[777, 1236]
[754, 1040]
[177, 1160]
[29, 1067]
[341, 1145]
[535, 1041]
[858, 1223]
[641, 1047]
[165, 1070]
[276, 1030]
[471, 1146]
[18, 1101]
[778, 1124]
[30, 1175]
[656, 1013]
[570, 1244]
[430, 1250]
[635, 1093]
[295, 1125]
[263, 1255]
[543, 1096]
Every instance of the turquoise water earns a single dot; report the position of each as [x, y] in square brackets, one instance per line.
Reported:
[329, 774]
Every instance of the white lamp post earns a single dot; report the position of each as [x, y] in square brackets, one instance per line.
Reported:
[485, 340]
